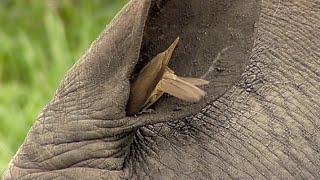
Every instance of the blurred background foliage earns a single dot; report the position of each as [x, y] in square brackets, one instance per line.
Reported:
[39, 41]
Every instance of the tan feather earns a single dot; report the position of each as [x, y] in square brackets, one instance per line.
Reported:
[194, 81]
[148, 78]
[157, 78]
[173, 85]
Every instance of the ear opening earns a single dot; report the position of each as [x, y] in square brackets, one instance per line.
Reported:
[216, 39]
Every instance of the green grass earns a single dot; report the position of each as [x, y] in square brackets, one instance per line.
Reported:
[39, 41]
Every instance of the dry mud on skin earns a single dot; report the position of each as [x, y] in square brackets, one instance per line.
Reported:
[216, 39]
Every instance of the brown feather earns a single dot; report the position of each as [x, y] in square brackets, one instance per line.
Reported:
[194, 81]
[147, 80]
[181, 89]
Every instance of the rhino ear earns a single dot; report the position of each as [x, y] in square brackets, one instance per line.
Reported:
[116, 51]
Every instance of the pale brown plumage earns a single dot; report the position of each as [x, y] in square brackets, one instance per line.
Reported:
[157, 78]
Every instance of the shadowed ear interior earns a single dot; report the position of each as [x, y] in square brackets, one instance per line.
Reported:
[216, 38]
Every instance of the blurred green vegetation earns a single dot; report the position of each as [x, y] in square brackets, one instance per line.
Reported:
[39, 41]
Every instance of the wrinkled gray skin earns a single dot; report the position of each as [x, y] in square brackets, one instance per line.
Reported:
[265, 124]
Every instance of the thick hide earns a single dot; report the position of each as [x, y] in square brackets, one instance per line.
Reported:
[259, 120]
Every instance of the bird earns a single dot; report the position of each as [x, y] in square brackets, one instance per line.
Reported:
[156, 78]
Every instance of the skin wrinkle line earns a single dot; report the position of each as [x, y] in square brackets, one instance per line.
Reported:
[308, 109]
[272, 153]
[182, 149]
[287, 78]
[257, 112]
[298, 62]
[256, 124]
[65, 103]
[315, 164]
[138, 155]
[310, 10]
[288, 42]
[150, 133]
[312, 122]
[138, 149]
[296, 28]
[209, 137]
[297, 159]
[225, 150]
[224, 160]
[81, 140]
[303, 93]
[305, 141]
[257, 148]
[150, 148]
[154, 131]
[202, 160]
[57, 157]
[302, 23]
[232, 134]
[136, 144]
[181, 162]
[167, 166]
[271, 38]
[70, 90]
[148, 151]
[314, 4]
[285, 145]
[238, 150]
[304, 70]
[275, 118]
[311, 101]
[142, 150]
[142, 167]
[282, 163]
[90, 162]
[41, 173]
[262, 154]
[76, 164]
[279, 2]
[148, 139]
[133, 156]
[146, 169]
[154, 149]
[143, 160]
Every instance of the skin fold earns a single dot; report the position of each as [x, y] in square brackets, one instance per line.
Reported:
[259, 120]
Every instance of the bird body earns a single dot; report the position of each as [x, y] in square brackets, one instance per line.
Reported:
[157, 78]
